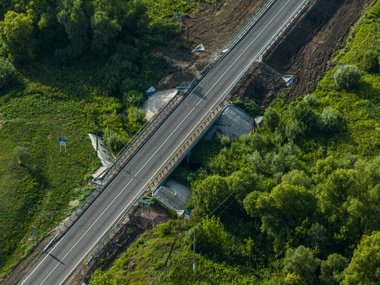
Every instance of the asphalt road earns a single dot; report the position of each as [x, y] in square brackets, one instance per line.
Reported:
[68, 252]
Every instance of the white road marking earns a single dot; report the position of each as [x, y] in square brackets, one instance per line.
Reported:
[169, 157]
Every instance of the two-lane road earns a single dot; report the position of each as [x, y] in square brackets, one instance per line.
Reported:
[129, 185]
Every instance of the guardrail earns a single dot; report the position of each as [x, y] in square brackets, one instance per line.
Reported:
[180, 153]
[135, 144]
[163, 173]
[178, 156]
[275, 39]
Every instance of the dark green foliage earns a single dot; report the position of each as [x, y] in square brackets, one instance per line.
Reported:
[133, 98]
[330, 119]
[213, 240]
[210, 192]
[16, 37]
[73, 17]
[371, 62]
[136, 119]
[347, 77]
[7, 74]
[365, 263]
[332, 269]
[271, 119]
[105, 25]
[302, 261]
[113, 140]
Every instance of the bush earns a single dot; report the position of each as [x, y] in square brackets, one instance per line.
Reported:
[133, 98]
[330, 120]
[113, 141]
[272, 119]
[371, 62]
[347, 77]
[16, 32]
[7, 74]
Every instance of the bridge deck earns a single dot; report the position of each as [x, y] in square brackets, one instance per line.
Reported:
[68, 252]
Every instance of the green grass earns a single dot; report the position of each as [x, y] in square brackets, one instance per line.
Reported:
[144, 262]
[360, 112]
[37, 180]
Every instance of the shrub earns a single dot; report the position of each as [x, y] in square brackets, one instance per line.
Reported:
[272, 119]
[371, 62]
[330, 120]
[347, 77]
[133, 98]
[113, 141]
[7, 74]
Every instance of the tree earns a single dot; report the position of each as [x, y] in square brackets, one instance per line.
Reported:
[16, 33]
[210, 192]
[7, 74]
[74, 16]
[332, 269]
[272, 119]
[105, 26]
[133, 98]
[136, 119]
[112, 140]
[281, 211]
[213, 240]
[347, 77]
[294, 129]
[331, 122]
[302, 261]
[297, 178]
[364, 267]
[371, 62]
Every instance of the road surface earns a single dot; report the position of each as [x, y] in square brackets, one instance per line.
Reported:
[72, 248]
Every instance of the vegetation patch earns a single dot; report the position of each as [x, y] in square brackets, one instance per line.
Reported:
[295, 203]
[67, 68]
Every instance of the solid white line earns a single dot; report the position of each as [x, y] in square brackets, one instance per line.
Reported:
[156, 153]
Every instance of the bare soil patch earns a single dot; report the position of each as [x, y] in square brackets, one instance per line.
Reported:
[309, 47]
[305, 50]
[214, 25]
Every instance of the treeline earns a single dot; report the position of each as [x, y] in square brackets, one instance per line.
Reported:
[70, 28]
[114, 31]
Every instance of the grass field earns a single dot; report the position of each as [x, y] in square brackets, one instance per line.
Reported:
[39, 183]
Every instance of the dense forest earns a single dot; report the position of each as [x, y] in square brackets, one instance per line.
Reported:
[296, 202]
[68, 68]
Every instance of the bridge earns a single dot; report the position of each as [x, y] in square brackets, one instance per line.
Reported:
[160, 146]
